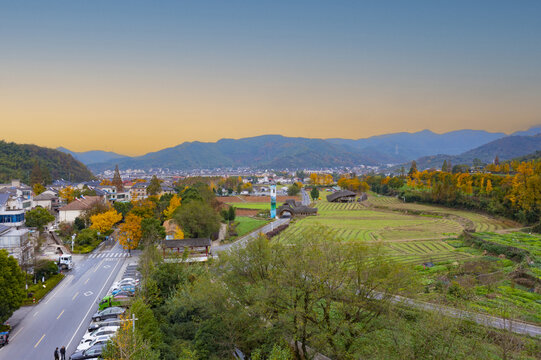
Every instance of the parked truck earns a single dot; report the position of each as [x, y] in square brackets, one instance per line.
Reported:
[65, 262]
[111, 300]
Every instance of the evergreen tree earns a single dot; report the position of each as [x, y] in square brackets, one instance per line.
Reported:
[232, 213]
[413, 168]
[117, 181]
[36, 177]
[496, 160]
[11, 286]
[444, 166]
[314, 193]
[154, 187]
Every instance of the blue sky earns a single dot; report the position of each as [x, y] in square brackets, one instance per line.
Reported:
[204, 70]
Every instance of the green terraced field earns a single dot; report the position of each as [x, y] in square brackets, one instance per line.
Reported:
[481, 222]
[254, 205]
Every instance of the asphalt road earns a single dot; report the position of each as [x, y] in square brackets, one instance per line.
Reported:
[62, 317]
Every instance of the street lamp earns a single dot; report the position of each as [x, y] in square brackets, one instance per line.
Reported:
[72, 241]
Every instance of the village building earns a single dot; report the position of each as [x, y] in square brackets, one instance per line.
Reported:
[77, 207]
[293, 208]
[342, 196]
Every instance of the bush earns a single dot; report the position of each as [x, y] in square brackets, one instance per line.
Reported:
[38, 291]
[46, 268]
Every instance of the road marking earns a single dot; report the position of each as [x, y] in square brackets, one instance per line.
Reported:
[106, 266]
[87, 280]
[58, 317]
[98, 266]
[88, 293]
[74, 296]
[11, 337]
[35, 346]
[63, 283]
[90, 308]
[35, 313]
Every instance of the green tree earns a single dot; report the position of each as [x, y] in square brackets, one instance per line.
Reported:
[123, 207]
[314, 193]
[444, 166]
[38, 218]
[413, 168]
[152, 229]
[197, 219]
[293, 190]
[232, 213]
[79, 224]
[11, 285]
[154, 187]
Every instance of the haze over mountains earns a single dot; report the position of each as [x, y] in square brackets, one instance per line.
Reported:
[280, 152]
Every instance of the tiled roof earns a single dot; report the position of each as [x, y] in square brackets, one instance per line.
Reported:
[44, 197]
[3, 198]
[81, 204]
[199, 242]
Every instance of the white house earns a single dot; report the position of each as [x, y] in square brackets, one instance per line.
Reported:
[15, 241]
[74, 209]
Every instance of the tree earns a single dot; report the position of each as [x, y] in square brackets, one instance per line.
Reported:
[123, 207]
[444, 166]
[38, 218]
[129, 233]
[154, 187]
[174, 203]
[117, 180]
[36, 176]
[38, 188]
[413, 168]
[79, 223]
[152, 230]
[314, 193]
[293, 190]
[11, 286]
[104, 222]
[231, 214]
[197, 219]
[67, 194]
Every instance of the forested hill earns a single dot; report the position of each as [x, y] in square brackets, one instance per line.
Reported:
[17, 161]
[507, 148]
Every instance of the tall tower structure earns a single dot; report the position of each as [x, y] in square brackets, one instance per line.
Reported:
[273, 201]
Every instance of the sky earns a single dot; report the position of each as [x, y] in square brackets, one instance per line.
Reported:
[139, 76]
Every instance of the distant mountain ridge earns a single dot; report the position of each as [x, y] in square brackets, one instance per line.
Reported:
[506, 148]
[280, 152]
[17, 161]
[93, 156]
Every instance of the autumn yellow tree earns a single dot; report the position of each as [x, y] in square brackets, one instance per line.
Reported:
[174, 203]
[130, 232]
[38, 188]
[104, 222]
[67, 194]
[489, 186]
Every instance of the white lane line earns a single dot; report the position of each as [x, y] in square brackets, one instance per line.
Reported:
[35, 313]
[65, 281]
[11, 337]
[35, 346]
[90, 308]
[74, 296]
[86, 280]
[60, 315]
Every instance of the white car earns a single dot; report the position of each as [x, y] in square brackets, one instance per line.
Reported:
[106, 330]
[103, 339]
[126, 281]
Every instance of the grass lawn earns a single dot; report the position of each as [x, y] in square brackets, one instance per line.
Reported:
[40, 291]
[247, 224]
[257, 206]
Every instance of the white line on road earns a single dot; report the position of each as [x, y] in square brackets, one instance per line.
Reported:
[35, 313]
[86, 280]
[35, 346]
[90, 308]
[60, 315]
[66, 280]
[74, 296]
[11, 337]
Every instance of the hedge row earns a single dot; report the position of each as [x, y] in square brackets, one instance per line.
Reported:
[510, 252]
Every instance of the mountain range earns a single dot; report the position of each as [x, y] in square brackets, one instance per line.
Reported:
[280, 152]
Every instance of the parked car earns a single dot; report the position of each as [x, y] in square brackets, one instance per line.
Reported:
[90, 353]
[102, 339]
[122, 293]
[96, 325]
[106, 330]
[109, 313]
[127, 290]
[126, 281]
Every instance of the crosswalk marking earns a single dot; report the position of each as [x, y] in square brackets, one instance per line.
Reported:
[107, 255]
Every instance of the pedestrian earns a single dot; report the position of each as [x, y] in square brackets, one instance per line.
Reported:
[56, 357]
[62, 353]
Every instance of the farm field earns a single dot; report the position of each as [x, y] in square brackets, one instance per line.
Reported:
[253, 205]
[480, 222]
[246, 225]
[418, 234]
